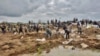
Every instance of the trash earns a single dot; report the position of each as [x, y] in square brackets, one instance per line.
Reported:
[67, 42]
[69, 47]
[41, 40]
[84, 45]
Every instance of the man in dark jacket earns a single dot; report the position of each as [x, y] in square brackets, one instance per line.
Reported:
[3, 28]
[67, 32]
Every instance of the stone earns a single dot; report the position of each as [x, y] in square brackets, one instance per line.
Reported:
[67, 42]
[41, 40]
[73, 35]
[69, 47]
[21, 37]
[84, 45]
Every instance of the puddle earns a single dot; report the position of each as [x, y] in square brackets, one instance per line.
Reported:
[60, 51]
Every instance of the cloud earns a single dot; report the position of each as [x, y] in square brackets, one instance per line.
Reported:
[24, 10]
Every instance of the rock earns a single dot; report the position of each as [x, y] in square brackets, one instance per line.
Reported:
[21, 37]
[84, 45]
[62, 32]
[41, 40]
[73, 35]
[15, 33]
[67, 42]
[69, 47]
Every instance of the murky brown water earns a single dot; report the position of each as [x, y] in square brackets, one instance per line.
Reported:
[60, 51]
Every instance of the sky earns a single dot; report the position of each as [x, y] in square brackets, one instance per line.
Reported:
[35, 10]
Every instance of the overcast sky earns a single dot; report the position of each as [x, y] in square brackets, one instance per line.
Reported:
[24, 10]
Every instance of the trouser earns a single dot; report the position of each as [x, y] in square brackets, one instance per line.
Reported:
[67, 36]
[48, 35]
[3, 31]
[80, 32]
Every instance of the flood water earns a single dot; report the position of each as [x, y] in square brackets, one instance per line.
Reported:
[60, 51]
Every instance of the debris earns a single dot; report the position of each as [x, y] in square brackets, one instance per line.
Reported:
[41, 40]
[69, 47]
[73, 35]
[67, 42]
[84, 45]
[15, 33]
[21, 37]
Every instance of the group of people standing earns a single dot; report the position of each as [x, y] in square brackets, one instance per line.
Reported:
[18, 28]
[30, 27]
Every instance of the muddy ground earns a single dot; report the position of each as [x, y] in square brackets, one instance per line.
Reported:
[12, 45]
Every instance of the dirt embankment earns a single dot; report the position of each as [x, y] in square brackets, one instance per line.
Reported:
[12, 45]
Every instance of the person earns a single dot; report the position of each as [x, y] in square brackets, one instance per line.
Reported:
[48, 32]
[37, 28]
[67, 33]
[78, 24]
[64, 27]
[79, 30]
[3, 28]
[57, 30]
[82, 22]
[20, 29]
[14, 29]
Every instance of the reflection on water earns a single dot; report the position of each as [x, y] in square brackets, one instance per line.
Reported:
[60, 51]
